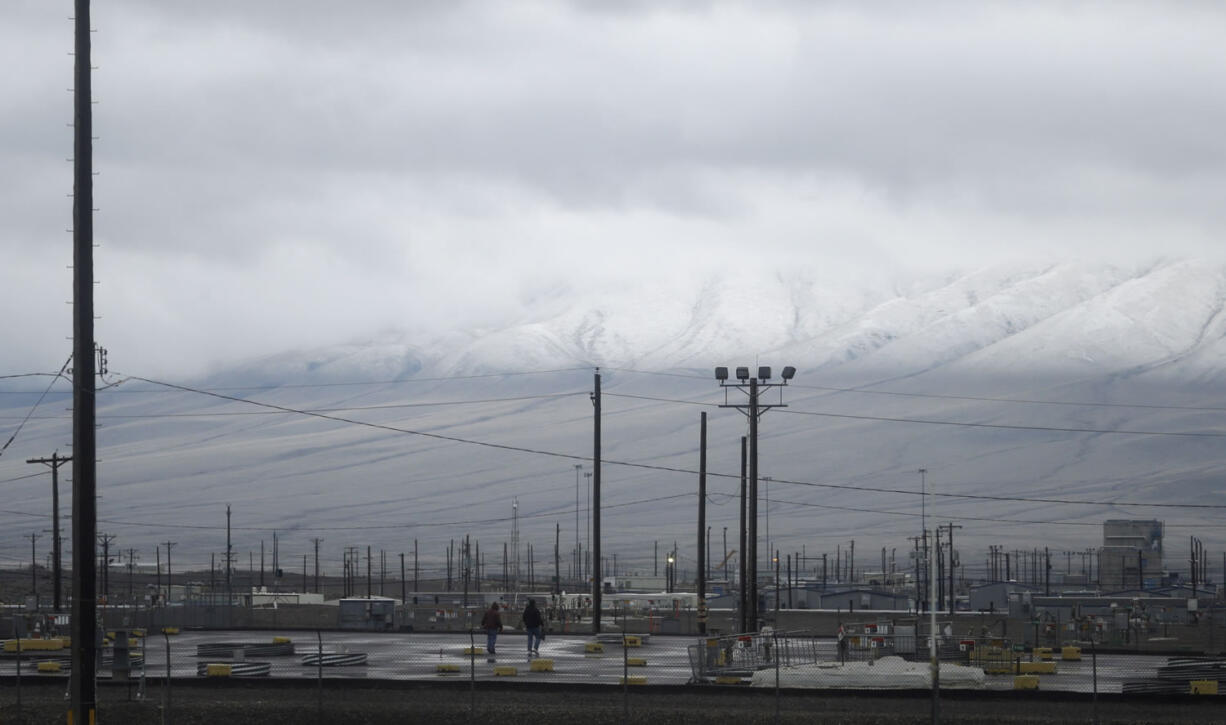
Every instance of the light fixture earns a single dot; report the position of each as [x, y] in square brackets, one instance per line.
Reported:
[721, 374]
[789, 372]
[742, 373]
[764, 373]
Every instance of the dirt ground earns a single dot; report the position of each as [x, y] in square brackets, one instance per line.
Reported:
[246, 703]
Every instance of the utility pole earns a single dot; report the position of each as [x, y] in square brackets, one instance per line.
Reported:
[465, 564]
[83, 671]
[169, 579]
[557, 563]
[316, 542]
[229, 558]
[702, 516]
[403, 584]
[368, 579]
[54, 462]
[33, 536]
[415, 569]
[594, 542]
[953, 563]
[105, 540]
[131, 571]
[578, 541]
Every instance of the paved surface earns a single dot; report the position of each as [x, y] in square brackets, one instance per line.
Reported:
[416, 656]
[448, 701]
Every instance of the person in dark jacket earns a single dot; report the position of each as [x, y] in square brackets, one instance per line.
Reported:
[492, 624]
[532, 625]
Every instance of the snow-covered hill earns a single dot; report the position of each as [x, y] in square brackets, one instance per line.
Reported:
[1041, 364]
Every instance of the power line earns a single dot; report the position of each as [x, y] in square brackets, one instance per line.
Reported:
[356, 383]
[381, 406]
[34, 407]
[940, 396]
[886, 419]
[370, 527]
[656, 467]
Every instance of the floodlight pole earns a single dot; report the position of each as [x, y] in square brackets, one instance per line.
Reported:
[754, 409]
[754, 620]
[594, 541]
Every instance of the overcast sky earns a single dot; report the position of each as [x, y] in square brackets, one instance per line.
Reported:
[279, 174]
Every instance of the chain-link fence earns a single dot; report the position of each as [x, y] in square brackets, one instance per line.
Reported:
[149, 665]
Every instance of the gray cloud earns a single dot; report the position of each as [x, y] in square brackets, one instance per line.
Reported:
[276, 174]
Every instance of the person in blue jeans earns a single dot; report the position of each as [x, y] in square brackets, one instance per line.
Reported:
[492, 624]
[532, 625]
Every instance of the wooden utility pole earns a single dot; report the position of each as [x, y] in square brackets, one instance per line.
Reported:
[953, 563]
[83, 671]
[54, 462]
[316, 541]
[33, 536]
[105, 540]
[169, 578]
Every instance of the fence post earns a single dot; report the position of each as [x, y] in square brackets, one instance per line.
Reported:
[1094, 669]
[166, 685]
[775, 646]
[625, 679]
[17, 636]
[472, 674]
[319, 676]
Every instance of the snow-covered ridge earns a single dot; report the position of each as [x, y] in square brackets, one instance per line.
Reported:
[1038, 317]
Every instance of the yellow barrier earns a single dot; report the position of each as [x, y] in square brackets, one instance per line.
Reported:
[55, 667]
[445, 669]
[170, 630]
[1026, 682]
[216, 669]
[138, 632]
[505, 671]
[633, 640]
[281, 640]
[593, 648]
[541, 666]
[634, 680]
[1203, 687]
[1036, 668]
[474, 650]
[1070, 653]
[1042, 653]
[636, 661]
[30, 645]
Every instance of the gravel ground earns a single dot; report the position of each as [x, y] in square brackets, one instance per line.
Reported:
[235, 703]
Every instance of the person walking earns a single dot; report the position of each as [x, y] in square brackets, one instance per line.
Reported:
[492, 624]
[532, 625]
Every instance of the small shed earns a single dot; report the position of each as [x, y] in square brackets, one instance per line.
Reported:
[368, 613]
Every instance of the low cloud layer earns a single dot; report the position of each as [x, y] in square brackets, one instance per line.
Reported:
[274, 177]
